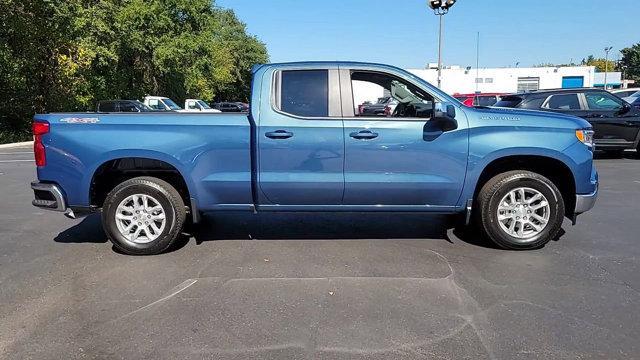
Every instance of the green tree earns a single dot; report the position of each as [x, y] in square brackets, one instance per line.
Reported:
[630, 62]
[601, 64]
[64, 55]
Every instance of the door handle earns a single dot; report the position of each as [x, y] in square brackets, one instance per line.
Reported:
[279, 134]
[364, 135]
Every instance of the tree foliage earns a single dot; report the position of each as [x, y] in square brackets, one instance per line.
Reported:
[630, 62]
[601, 64]
[64, 55]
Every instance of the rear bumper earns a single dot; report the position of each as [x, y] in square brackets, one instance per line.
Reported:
[586, 202]
[48, 196]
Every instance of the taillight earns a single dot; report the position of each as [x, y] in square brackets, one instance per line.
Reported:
[39, 129]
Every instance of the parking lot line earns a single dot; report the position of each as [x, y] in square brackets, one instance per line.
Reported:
[17, 153]
[12, 161]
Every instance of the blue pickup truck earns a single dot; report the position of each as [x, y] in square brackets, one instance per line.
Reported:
[512, 174]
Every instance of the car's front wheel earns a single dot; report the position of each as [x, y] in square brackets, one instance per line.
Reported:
[520, 210]
[143, 216]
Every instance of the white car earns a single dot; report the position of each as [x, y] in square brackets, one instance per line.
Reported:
[197, 105]
[161, 103]
[623, 93]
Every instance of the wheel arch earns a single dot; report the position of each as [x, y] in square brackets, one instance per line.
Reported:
[117, 167]
[553, 168]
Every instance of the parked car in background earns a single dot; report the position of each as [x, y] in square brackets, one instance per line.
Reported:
[479, 99]
[623, 93]
[615, 122]
[231, 106]
[633, 101]
[303, 148]
[161, 103]
[121, 106]
[197, 105]
[384, 106]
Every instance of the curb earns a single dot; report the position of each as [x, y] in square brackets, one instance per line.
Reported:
[14, 145]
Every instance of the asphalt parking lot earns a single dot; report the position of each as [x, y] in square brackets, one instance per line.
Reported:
[319, 286]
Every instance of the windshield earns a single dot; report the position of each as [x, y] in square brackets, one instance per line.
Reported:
[509, 101]
[203, 104]
[171, 104]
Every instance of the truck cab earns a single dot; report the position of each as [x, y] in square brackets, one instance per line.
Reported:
[161, 103]
[197, 105]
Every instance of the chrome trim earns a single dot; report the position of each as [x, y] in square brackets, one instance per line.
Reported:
[586, 202]
[55, 191]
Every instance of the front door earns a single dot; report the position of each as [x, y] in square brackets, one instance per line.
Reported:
[399, 157]
[300, 139]
[611, 120]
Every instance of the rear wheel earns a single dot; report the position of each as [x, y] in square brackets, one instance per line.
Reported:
[520, 210]
[143, 216]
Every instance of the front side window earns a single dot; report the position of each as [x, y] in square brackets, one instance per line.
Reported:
[378, 94]
[563, 102]
[305, 92]
[602, 101]
[155, 104]
[107, 106]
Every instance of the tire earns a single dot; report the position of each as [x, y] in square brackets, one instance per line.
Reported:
[161, 226]
[531, 233]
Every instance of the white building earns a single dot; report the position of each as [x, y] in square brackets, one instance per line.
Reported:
[510, 80]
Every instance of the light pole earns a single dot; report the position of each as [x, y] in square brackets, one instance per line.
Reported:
[440, 8]
[606, 64]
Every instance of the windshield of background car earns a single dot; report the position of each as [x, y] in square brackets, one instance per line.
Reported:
[171, 104]
[602, 101]
[486, 100]
[203, 104]
[509, 101]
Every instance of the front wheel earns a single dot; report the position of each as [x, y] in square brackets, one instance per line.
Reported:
[143, 216]
[520, 210]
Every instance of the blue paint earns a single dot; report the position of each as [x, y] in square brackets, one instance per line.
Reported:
[570, 82]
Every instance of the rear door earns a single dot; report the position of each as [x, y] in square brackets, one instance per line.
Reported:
[300, 138]
[612, 121]
[399, 159]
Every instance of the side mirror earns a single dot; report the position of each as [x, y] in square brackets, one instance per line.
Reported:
[443, 120]
[444, 114]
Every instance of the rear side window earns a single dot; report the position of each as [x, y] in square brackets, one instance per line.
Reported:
[107, 106]
[305, 92]
[563, 102]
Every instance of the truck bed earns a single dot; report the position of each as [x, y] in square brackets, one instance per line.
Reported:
[212, 151]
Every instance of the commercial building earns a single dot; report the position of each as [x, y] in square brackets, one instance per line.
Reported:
[511, 80]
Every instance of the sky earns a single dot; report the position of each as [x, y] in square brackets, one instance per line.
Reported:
[405, 32]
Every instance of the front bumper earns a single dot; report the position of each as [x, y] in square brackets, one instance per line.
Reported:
[48, 196]
[586, 202]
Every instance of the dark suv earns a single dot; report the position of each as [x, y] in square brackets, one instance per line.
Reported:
[122, 106]
[616, 123]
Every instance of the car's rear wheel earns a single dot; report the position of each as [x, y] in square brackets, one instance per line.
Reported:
[143, 216]
[520, 210]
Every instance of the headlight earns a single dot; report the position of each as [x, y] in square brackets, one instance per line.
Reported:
[585, 137]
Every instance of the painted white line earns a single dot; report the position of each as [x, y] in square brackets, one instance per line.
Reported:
[12, 161]
[17, 153]
[9, 146]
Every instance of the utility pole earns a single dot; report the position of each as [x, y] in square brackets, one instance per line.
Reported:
[606, 64]
[440, 8]
[477, 61]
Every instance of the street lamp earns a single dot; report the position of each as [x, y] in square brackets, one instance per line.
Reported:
[440, 8]
[606, 64]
